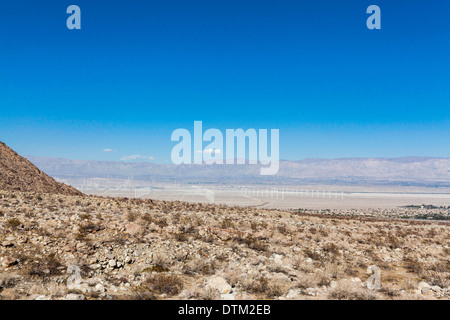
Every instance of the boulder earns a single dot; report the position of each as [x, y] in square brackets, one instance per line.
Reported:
[73, 296]
[219, 284]
[424, 287]
[133, 229]
[7, 261]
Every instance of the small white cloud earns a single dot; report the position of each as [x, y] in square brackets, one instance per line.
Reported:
[137, 157]
[210, 151]
[108, 150]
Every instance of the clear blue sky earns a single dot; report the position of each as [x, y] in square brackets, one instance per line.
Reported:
[137, 70]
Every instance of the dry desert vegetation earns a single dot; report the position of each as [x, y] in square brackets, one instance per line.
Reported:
[86, 247]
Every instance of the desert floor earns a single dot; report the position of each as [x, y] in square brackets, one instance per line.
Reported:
[75, 247]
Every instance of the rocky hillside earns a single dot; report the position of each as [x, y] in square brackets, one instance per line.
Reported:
[70, 247]
[19, 174]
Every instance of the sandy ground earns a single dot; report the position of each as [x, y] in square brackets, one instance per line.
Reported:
[294, 197]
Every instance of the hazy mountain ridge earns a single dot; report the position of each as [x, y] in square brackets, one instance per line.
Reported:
[416, 170]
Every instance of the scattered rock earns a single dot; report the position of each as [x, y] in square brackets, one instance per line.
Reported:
[8, 261]
[134, 229]
[219, 284]
[278, 259]
[227, 296]
[424, 287]
[43, 297]
[436, 289]
[73, 296]
[7, 244]
[112, 263]
[292, 294]
[100, 288]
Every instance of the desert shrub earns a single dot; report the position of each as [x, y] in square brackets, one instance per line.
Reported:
[283, 230]
[345, 290]
[157, 268]
[142, 293]
[313, 255]
[306, 281]
[200, 266]
[333, 270]
[323, 233]
[274, 291]
[208, 238]
[13, 223]
[131, 217]
[85, 216]
[331, 250]
[226, 224]
[252, 243]
[164, 284]
[162, 222]
[28, 213]
[256, 285]
[414, 266]
[181, 237]
[45, 267]
[147, 217]
[389, 292]
[394, 241]
[86, 228]
[8, 282]
[209, 294]
[409, 284]
[254, 225]
[161, 261]
[261, 285]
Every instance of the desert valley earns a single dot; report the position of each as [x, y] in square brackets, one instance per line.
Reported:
[57, 243]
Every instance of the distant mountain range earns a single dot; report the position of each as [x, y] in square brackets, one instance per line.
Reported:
[419, 171]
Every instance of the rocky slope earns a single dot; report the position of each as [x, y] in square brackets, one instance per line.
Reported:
[71, 247]
[19, 174]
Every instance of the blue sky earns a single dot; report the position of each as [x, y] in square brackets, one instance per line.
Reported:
[137, 70]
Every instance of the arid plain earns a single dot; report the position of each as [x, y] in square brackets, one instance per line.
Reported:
[58, 243]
